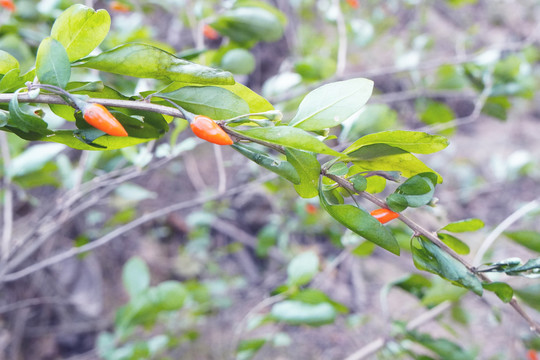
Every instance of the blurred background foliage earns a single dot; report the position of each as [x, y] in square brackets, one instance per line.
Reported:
[249, 270]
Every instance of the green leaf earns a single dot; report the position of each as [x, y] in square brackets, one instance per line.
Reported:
[72, 138]
[502, 290]
[382, 157]
[302, 268]
[497, 107]
[256, 102]
[169, 295]
[528, 238]
[414, 284]
[52, 63]
[289, 137]
[430, 257]
[250, 23]
[26, 122]
[299, 313]
[359, 182]
[33, 159]
[360, 222]
[331, 104]
[145, 61]
[308, 168]
[212, 101]
[530, 295]
[11, 80]
[532, 265]
[280, 167]
[248, 348]
[454, 243]
[446, 349]
[440, 291]
[464, 225]
[81, 29]
[315, 296]
[414, 192]
[7, 62]
[434, 112]
[238, 61]
[410, 141]
[135, 276]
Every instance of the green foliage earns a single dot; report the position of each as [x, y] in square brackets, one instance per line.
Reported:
[331, 104]
[52, 63]
[430, 257]
[146, 61]
[528, 238]
[80, 30]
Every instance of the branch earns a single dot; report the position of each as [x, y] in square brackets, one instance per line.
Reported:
[432, 236]
[131, 104]
[7, 221]
[420, 320]
[122, 230]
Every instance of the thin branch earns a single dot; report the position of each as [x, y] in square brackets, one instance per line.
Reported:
[7, 221]
[122, 230]
[222, 175]
[415, 323]
[130, 104]
[342, 40]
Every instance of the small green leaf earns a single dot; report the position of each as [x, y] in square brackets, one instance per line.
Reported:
[331, 104]
[360, 222]
[446, 349]
[250, 23]
[414, 284]
[290, 137]
[26, 122]
[280, 167]
[455, 244]
[359, 182]
[532, 265]
[212, 101]
[302, 268]
[414, 192]
[502, 290]
[7, 62]
[464, 225]
[248, 348]
[135, 276]
[33, 159]
[308, 168]
[299, 313]
[528, 238]
[430, 257]
[81, 29]
[145, 61]
[410, 141]
[52, 63]
[238, 61]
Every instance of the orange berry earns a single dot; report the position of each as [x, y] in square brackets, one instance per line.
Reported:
[210, 33]
[8, 4]
[207, 129]
[384, 215]
[99, 117]
[119, 7]
[354, 3]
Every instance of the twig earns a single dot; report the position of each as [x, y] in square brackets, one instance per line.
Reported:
[420, 320]
[130, 104]
[7, 221]
[342, 40]
[33, 302]
[222, 175]
[505, 224]
[122, 230]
